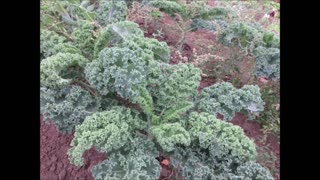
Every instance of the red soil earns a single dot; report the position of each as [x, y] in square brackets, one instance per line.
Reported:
[271, 144]
[205, 82]
[55, 164]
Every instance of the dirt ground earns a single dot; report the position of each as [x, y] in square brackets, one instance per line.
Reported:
[55, 164]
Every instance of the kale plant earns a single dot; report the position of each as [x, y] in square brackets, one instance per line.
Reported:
[51, 67]
[67, 107]
[219, 150]
[225, 99]
[198, 12]
[263, 45]
[51, 43]
[110, 11]
[267, 62]
[117, 70]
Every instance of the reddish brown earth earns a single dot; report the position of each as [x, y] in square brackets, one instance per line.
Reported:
[270, 145]
[55, 164]
[211, 3]
[205, 82]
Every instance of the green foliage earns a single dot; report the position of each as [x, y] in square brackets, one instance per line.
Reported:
[167, 6]
[225, 99]
[169, 135]
[51, 43]
[245, 35]
[199, 9]
[207, 129]
[252, 170]
[110, 11]
[51, 67]
[270, 117]
[117, 70]
[271, 40]
[61, 16]
[191, 164]
[193, 10]
[149, 47]
[84, 39]
[51, 12]
[219, 150]
[135, 161]
[213, 26]
[214, 163]
[80, 11]
[67, 107]
[218, 13]
[263, 45]
[267, 62]
[107, 131]
[172, 87]
[114, 34]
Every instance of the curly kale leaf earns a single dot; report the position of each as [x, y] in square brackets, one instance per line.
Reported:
[84, 39]
[213, 26]
[253, 170]
[110, 12]
[172, 87]
[169, 135]
[51, 43]
[250, 98]
[117, 70]
[225, 99]
[51, 67]
[267, 62]
[135, 161]
[158, 50]
[193, 10]
[201, 10]
[108, 131]
[114, 34]
[80, 10]
[207, 129]
[67, 107]
[241, 34]
[271, 40]
[194, 163]
[191, 164]
[167, 6]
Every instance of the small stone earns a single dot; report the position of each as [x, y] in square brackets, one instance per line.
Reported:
[53, 167]
[47, 164]
[263, 80]
[60, 165]
[54, 158]
[62, 175]
[204, 75]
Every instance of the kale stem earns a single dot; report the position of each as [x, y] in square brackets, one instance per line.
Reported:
[86, 85]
